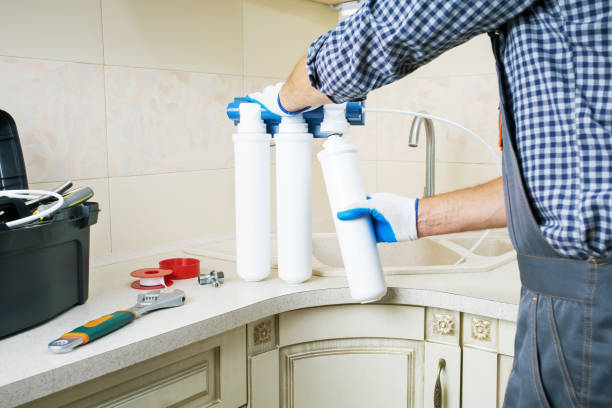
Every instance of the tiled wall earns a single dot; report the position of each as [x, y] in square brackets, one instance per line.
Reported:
[460, 85]
[128, 97]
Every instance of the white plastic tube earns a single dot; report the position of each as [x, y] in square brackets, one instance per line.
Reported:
[29, 195]
[252, 190]
[356, 237]
[294, 199]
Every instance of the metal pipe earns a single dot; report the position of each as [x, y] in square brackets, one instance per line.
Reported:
[430, 144]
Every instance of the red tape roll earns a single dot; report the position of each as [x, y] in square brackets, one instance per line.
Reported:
[151, 273]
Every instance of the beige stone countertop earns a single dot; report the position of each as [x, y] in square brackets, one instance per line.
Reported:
[28, 370]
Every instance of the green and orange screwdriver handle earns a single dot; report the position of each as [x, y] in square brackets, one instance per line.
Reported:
[147, 302]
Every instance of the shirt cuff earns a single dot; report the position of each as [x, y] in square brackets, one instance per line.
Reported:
[311, 67]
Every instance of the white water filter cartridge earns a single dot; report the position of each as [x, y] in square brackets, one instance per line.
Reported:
[356, 237]
[294, 199]
[252, 190]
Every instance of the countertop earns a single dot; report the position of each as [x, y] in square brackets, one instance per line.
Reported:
[29, 371]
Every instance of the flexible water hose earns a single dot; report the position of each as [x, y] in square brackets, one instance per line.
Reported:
[458, 126]
[29, 195]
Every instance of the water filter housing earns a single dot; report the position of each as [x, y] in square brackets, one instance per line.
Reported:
[252, 194]
[356, 237]
[294, 199]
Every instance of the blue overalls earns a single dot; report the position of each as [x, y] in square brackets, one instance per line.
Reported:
[563, 345]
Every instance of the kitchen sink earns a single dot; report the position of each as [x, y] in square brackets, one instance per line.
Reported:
[441, 254]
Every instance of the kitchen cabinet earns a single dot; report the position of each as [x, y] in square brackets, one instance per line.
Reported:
[332, 356]
[209, 373]
[378, 355]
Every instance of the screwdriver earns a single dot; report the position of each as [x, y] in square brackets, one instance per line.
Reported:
[46, 198]
[71, 198]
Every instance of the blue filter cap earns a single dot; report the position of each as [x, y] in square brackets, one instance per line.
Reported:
[354, 112]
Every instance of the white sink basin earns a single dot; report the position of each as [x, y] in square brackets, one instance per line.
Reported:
[426, 255]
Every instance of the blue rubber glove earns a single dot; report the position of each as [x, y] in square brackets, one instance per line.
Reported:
[394, 217]
[269, 99]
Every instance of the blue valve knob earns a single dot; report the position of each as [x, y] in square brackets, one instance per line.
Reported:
[355, 115]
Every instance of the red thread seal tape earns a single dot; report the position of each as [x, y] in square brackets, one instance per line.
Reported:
[151, 273]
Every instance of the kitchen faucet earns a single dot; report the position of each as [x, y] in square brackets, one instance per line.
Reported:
[430, 142]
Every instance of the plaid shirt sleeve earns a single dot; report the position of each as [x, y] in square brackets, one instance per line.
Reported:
[387, 39]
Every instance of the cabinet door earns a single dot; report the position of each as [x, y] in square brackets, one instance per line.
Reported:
[449, 376]
[356, 373]
[263, 380]
[479, 379]
[354, 356]
[505, 367]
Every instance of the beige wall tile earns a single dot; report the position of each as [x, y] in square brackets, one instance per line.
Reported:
[277, 34]
[166, 121]
[471, 101]
[59, 111]
[470, 58]
[408, 178]
[256, 84]
[191, 35]
[368, 174]
[153, 210]
[453, 176]
[67, 30]
[403, 178]
[100, 235]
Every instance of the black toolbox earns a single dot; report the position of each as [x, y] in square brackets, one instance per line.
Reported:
[44, 266]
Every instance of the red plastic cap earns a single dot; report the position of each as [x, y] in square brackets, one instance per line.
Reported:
[182, 268]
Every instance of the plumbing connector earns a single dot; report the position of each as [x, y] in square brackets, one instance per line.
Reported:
[214, 278]
[354, 113]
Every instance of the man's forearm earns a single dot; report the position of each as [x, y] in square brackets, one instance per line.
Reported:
[298, 93]
[469, 209]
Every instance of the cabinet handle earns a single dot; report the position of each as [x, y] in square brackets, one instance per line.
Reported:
[437, 398]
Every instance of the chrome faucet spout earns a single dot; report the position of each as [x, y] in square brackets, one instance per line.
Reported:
[430, 144]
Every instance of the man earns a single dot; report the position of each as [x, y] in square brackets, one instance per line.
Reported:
[554, 60]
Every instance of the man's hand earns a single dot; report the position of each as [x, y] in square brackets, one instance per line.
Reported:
[394, 217]
[269, 99]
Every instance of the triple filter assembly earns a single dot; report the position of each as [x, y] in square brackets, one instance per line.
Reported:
[293, 140]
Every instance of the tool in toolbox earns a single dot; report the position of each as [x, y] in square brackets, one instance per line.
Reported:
[146, 302]
[71, 198]
[44, 199]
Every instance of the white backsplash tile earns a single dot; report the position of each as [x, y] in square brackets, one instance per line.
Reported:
[277, 34]
[157, 209]
[189, 35]
[66, 30]
[167, 121]
[59, 111]
[471, 101]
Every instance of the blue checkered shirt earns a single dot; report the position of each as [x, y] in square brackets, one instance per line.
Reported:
[557, 62]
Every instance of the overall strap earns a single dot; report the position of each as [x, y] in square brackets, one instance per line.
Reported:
[522, 225]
